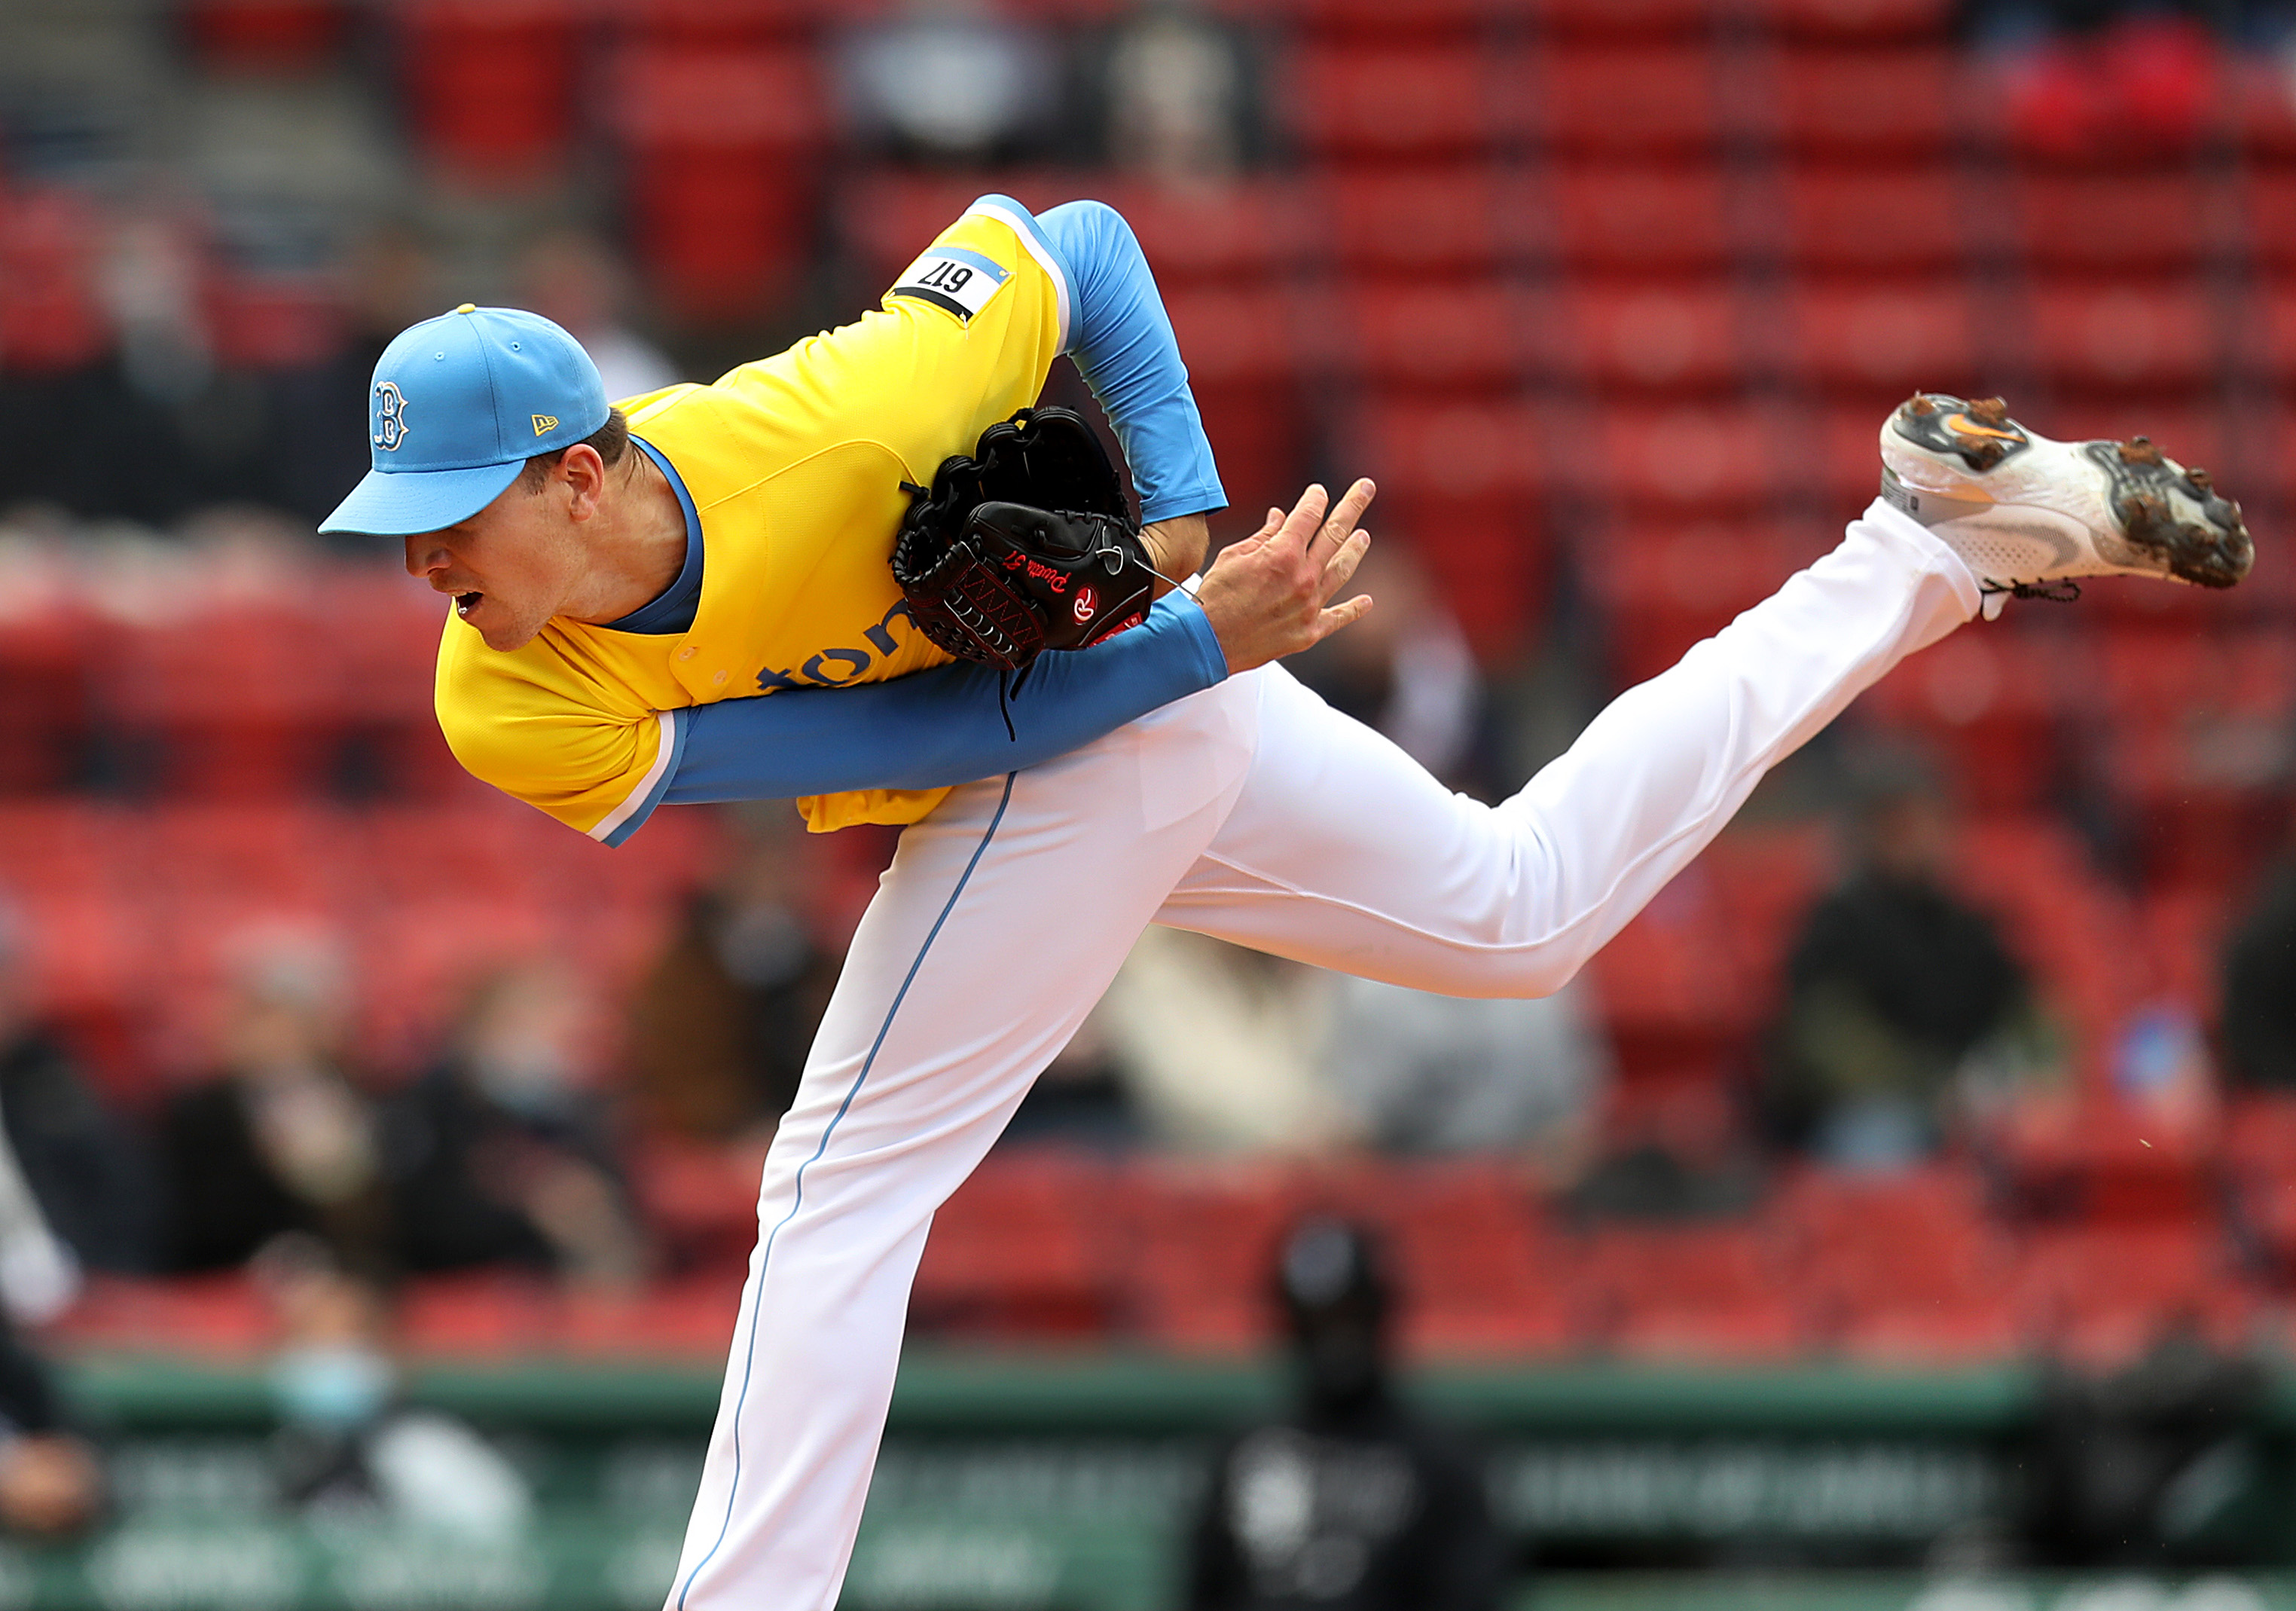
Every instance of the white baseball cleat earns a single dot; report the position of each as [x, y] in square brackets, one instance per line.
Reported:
[2030, 516]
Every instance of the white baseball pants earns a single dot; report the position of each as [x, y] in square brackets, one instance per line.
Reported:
[1254, 812]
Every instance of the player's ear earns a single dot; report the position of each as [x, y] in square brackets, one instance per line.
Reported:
[584, 472]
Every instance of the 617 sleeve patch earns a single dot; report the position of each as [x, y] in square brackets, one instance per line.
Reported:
[954, 278]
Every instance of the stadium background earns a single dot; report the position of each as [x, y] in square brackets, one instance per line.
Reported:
[1610, 296]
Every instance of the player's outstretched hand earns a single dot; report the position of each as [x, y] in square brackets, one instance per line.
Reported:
[1269, 595]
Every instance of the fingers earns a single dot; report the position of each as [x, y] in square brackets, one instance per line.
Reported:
[1333, 532]
[1300, 526]
[1341, 615]
[1341, 565]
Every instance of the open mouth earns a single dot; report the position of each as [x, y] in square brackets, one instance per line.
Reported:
[464, 603]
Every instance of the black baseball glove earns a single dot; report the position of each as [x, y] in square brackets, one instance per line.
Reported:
[1026, 545]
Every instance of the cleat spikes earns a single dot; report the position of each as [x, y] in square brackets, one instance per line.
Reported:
[2029, 515]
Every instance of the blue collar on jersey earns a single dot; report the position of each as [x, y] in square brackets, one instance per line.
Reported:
[673, 610]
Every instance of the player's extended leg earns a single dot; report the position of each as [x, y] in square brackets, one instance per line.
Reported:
[1342, 851]
[1001, 921]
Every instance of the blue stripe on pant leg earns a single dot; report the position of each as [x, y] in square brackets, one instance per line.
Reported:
[868, 1063]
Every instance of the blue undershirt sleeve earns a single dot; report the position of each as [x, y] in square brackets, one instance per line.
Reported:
[1122, 341]
[943, 727]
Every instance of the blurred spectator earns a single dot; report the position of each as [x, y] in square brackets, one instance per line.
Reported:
[498, 1155]
[69, 1172]
[1411, 676]
[721, 1026]
[1219, 1045]
[1897, 997]
[952, 81]
[2259, 987]
[1427, 1073]
[277, 1138]
[1354, 1500]
[346, 1442]
[50, 1481]
[572, 277]
[1177, 91]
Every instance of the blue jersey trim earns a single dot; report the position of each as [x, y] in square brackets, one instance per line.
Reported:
[988, 266]
[766, 1255]
[681, 722]
[673, 610]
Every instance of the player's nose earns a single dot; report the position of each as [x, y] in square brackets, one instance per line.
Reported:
[424, 554]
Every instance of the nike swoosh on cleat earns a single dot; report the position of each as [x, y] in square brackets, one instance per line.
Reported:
[1962, 424]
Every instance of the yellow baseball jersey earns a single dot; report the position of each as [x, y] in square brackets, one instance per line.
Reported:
[794, 465]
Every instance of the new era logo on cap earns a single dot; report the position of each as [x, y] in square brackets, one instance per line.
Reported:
[544, 423]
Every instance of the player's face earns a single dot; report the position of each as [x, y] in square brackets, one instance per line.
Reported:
[510, 567]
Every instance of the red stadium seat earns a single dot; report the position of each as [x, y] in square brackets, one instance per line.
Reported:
[1989, 705]
[1417, 220]
[1860, 103]
[1684, 457]
[718, 187]
[1243, 231]
[1610, 215]
[51, 315]
[2103, 1296]
[1620, 99]
[1869, 220]
[1415, 101]
[1649, 18]
[1884, 337]
[2125, 337]
[482, 1315]
[286, 36]
[1379, 18]
[2268, 212]
[719, 22]
[1465, 335]
[272, 322]
[1462, 452]
[1662, 336]
[1903, 1269]
[1871, 20]
[1016, 1252]
[1201, 1244]
[490, 83]
[2112, 223]
[1709, 1293]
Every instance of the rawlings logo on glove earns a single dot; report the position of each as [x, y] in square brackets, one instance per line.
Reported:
[1026, 545]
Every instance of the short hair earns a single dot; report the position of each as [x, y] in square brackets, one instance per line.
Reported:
[610, 439]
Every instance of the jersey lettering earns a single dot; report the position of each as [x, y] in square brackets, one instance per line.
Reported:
[954, 278]
[817, 672]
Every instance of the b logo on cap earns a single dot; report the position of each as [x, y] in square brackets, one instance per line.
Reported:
[389, 417]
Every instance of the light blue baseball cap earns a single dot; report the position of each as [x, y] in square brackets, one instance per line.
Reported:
[459, 404]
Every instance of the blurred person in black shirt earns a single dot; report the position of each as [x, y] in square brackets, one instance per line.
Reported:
[2259, 986]
[93, 1187]
[279, 1137]
[1896, 991]
[498, 1154]
[1354, 1502]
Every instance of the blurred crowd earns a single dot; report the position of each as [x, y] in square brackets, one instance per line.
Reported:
[301, 1040]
